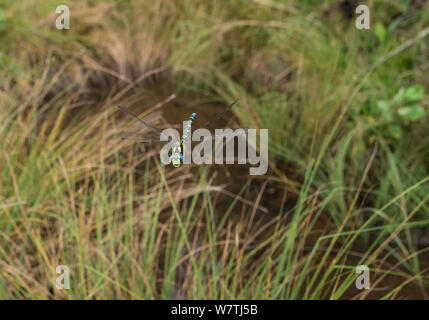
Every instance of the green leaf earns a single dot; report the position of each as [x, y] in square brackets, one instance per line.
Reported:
[395, 131]
[400, 96]
[414, 93]
[412, 113]
[383, 108]
[380, 32]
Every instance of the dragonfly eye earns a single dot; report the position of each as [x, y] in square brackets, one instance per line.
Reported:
[175, 160]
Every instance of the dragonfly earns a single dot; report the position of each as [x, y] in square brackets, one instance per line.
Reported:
[178, 149]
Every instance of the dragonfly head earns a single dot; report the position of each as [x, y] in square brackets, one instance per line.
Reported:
[175, 159]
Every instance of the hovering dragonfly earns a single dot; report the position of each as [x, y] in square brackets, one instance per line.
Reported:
[177, 155]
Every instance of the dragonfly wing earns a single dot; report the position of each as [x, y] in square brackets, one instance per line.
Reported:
[144, 139]
[140, 139]
[139, 135]
[132, 116]
[218, 115]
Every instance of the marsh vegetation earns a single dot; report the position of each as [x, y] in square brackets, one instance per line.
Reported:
[347, 182]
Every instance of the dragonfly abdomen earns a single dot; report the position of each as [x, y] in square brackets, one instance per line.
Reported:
[187, 130]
